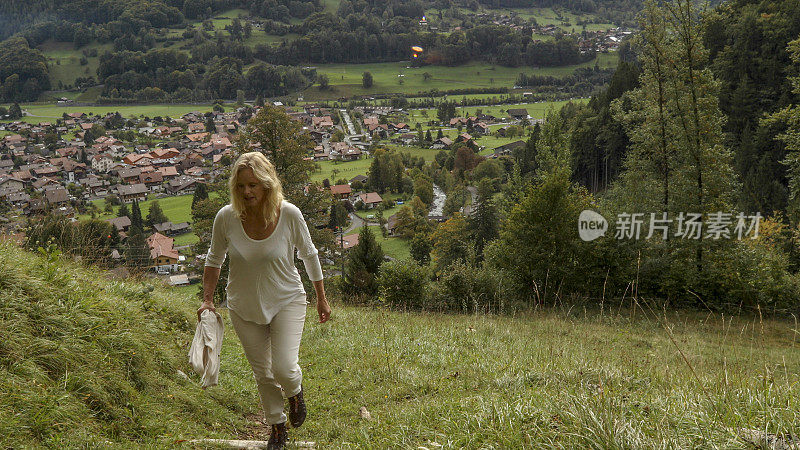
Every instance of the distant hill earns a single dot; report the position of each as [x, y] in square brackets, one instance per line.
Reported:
[188, 51]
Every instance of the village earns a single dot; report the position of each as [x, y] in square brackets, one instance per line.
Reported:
[67, 165]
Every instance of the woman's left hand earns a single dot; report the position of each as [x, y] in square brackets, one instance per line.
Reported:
[323, 309]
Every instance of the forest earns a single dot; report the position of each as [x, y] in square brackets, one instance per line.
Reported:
[359, 32]
[667, 141]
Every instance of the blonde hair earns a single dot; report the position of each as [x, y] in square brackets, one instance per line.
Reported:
[265, 172]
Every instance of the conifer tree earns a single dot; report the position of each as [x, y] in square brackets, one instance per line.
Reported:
[136, 216]
[363, 262]
[156, 215]
[200, 193]
[123, 211]
[137, 253]
[482, 226]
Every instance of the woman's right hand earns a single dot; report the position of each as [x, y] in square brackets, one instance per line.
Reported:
[206, 305]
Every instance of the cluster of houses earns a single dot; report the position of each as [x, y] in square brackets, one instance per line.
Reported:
[40, 174]
[35, 179]
[588, 41]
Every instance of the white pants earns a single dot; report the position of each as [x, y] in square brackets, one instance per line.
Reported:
[272, 351]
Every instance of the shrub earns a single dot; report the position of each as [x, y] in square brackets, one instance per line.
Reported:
[404, 283]
[467, 289]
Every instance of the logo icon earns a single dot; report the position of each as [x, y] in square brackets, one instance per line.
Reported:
[591, 225]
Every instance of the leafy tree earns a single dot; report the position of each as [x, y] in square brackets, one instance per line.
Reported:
[409, 223]
[93, 133]
[23, 74]
[15, 112]
[404, 284]
[282, 140]
[323, 81]
[538, 247]
[421, 249]
[423, 189]
[366, 80]
[108, 208]
[363, 263]
[450, 242]
[789, 118]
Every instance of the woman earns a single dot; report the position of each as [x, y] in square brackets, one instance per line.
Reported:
[259, 231]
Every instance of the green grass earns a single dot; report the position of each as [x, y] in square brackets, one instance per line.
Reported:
[345, 79]
[395, 247]
[345, 169]
[549, 380]
[46, 113]
[84, 361]
[177, 209]
[186, 239]
[331, 5]
[349, 169]
[535, 110]
[63, 61]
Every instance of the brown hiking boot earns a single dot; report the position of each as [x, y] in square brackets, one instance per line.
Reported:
[278, 437]
[297, 409]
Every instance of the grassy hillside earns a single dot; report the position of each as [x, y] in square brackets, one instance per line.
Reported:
[86, 361]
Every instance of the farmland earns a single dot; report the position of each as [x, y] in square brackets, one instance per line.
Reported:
[399, 77]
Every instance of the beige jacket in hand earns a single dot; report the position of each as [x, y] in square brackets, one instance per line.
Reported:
[206, 347]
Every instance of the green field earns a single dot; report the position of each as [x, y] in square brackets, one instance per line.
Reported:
[394, 247]
[345, 79]
[177, 209]
[48, 112]
[63, 61]
[349, 169]
[537, 110]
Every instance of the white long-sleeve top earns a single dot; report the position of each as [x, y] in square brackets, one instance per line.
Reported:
[263, 277]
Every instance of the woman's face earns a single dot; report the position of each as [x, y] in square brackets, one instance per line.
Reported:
[250, 188]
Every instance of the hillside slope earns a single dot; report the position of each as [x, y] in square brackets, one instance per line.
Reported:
[85, 361]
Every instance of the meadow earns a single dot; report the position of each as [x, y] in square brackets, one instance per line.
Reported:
[334, 170]
[64, 61]
[48, 112]
[177, 208]
[537, 110]
[560, 376]
[345, 79]
[394, 247]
